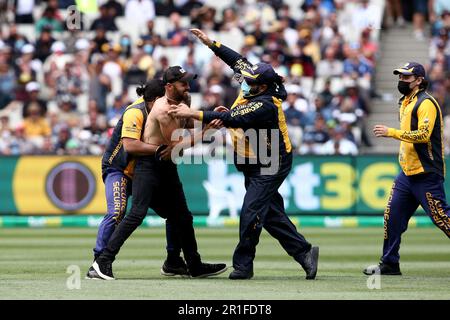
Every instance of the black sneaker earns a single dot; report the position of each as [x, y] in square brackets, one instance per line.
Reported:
[207, 270]
[391, 269]
[175, 268]
[104, 270]
[240, 275]
[310, 261]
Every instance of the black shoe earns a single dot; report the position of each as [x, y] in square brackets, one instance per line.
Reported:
[240, 275]
[310, 261]
[391, 269]
[204, 270]
[104, 270]
[175, 268]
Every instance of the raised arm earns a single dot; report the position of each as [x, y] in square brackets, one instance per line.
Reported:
[229, 56]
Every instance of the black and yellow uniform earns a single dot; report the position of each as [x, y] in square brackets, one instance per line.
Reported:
[421, 181]
[263, 205]
[130, 125]
[262, 113]
[421, 135]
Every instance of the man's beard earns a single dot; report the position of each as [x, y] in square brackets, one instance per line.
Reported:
[179, 95]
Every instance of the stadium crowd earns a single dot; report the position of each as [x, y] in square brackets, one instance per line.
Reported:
[63, 90]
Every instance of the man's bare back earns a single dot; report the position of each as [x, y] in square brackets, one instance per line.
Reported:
[160, 125]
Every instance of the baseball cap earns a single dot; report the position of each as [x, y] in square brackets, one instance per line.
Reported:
[260, 73]
[411, 68]
[177, 73]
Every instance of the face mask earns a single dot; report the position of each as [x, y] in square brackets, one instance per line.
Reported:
[125, 42]
[148, 48]
[404, 88]
[19, 44]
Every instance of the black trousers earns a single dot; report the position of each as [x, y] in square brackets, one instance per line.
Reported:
[156, 185]
[264, 207]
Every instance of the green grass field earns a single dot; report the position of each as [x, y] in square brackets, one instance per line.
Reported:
[33, 264]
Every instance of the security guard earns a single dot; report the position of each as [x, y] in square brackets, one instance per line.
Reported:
[265, 161]
[421, 157]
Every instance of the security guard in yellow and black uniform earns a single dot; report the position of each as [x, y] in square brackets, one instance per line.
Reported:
[263, 153]
[421, 157]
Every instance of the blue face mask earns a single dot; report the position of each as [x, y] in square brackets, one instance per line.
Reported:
[19, 44]
[245, 88]
[125, 42]
[148, 48]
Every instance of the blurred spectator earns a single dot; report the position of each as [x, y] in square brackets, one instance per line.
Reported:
[314, 137]
[26, 70]
[338, 144]
[134, 74]
[19, 143]
[115, 112]
[190, 66]
[67, 113]
[106, 20]
[32, 89]
[99, 39]
[364, 16]
[68, 84]
[139, 11]
[164, 7]
[420, 11]
[50, 19]
[189, 6]
[213, 98]
[43, 44]
[177, 36]
[368, 47]
[394, 13]
[295, 108]
[358, 67]
[115, 8]
[24, 11]
[203, 18]
[35, 124]
[230, 20]
[330, 66]
[61, 141]
[326, 95]
[100, 84]
[7, 84]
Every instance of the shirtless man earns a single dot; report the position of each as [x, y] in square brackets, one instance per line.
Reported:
[156, 184]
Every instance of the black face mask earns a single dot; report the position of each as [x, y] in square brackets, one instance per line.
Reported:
[404, 88]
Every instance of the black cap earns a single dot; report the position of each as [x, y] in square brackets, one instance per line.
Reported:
[177, 73]
[411, 68]
[260, 73]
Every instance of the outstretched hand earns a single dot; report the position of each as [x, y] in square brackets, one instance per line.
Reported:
[201, 36]
[221, 109]
[380, 130]
[215, 124]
